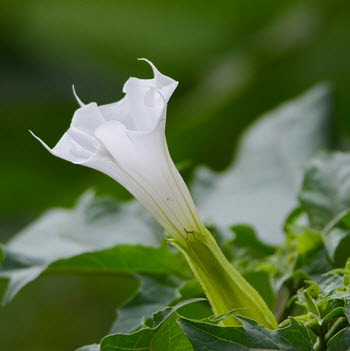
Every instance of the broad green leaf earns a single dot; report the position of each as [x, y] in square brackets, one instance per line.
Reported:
[77, 240]
[336, 236]
[340, 341]
[166, 335]
[125, 258]
[93, 224]
[325, 191]
[121, 259]
[208, 337]
[260, 187]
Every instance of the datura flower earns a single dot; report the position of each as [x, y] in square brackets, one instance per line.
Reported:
[126, 140]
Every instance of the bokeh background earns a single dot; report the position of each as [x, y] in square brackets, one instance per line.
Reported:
[234, 60]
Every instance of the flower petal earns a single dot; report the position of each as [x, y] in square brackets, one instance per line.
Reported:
[164, 84]
[143, 106]
[87, 118]
[145, 159]
[74, 146]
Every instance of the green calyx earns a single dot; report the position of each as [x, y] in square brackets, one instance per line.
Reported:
[224, 287]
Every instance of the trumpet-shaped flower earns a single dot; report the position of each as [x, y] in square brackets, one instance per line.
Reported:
[126, 140]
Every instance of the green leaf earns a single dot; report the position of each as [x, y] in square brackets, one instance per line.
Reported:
[260, 187]
[325, 191]
[93, 224]
[124, 259]
[77, 241]
[340, 341]
[154, 294]
[166, 335]
[120, 259]
[205, 337]
[336, 237]
[18, 270]
[311, 305]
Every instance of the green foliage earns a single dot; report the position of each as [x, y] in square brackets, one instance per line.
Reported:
[154, 293]
[305, 280]
[51, 242]
[164, 335]
[251, 336]
[325, 197]
[121, 259]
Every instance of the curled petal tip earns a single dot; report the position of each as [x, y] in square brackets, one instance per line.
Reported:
[77, 97]
[154, 68]
[149, 62]
[43, 143]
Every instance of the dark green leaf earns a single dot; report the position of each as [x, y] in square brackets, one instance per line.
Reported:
[208, 337]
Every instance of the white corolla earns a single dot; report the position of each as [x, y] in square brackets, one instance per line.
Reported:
[126, 140]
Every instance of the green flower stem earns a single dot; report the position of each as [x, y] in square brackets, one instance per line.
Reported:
[224, 287]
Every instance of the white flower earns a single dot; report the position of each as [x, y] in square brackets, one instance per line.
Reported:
[126, 140]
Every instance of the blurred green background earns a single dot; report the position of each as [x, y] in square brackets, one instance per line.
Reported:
[234, 60]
